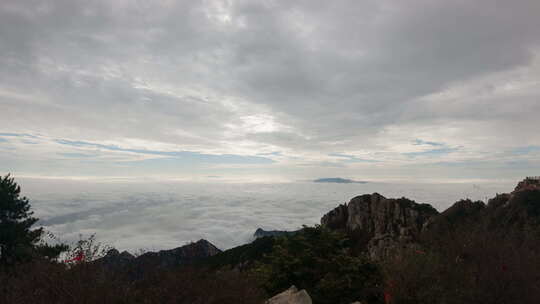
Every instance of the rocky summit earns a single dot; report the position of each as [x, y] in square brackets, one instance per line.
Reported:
[389, 224]
[386, 224]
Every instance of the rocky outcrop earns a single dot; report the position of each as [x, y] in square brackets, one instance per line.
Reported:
[336, 218]
[186, 254]
[178, 256]
[460, 214]
[384, 225]
[291, 296]
[116, 260]
[520, 211]
[387, 224]
[262, 233]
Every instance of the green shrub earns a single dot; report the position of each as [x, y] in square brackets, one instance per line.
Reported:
[319, 260]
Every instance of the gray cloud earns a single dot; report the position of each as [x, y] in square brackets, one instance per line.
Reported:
[306, 78]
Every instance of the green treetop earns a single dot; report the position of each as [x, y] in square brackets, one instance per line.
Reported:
[18, 242]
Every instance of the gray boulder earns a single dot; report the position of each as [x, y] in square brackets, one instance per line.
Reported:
[291, 296]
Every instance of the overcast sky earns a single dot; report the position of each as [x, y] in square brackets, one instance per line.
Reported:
[270, 90]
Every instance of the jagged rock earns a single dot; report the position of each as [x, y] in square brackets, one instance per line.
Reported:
[291, 296]
[384, 225]
[387, 223]
[262, 233]
[337, 218]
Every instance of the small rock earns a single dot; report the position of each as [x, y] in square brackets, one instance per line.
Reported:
[291, 296]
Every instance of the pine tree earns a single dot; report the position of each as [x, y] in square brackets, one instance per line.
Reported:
[18, 242]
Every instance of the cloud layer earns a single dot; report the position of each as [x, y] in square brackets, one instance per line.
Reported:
[270, 89]
[151, 216]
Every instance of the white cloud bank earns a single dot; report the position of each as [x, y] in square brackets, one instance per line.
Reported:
[152, 216]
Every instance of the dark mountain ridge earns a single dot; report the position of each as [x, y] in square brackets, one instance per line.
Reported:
[164, 259]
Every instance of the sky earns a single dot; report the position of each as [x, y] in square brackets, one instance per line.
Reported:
[270, 90]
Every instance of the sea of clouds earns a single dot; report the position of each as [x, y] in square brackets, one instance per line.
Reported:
[149, 215]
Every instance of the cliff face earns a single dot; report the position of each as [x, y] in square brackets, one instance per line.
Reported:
[337, 218]
[387, 224]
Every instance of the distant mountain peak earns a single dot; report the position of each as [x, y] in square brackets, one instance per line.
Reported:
[338, 180]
